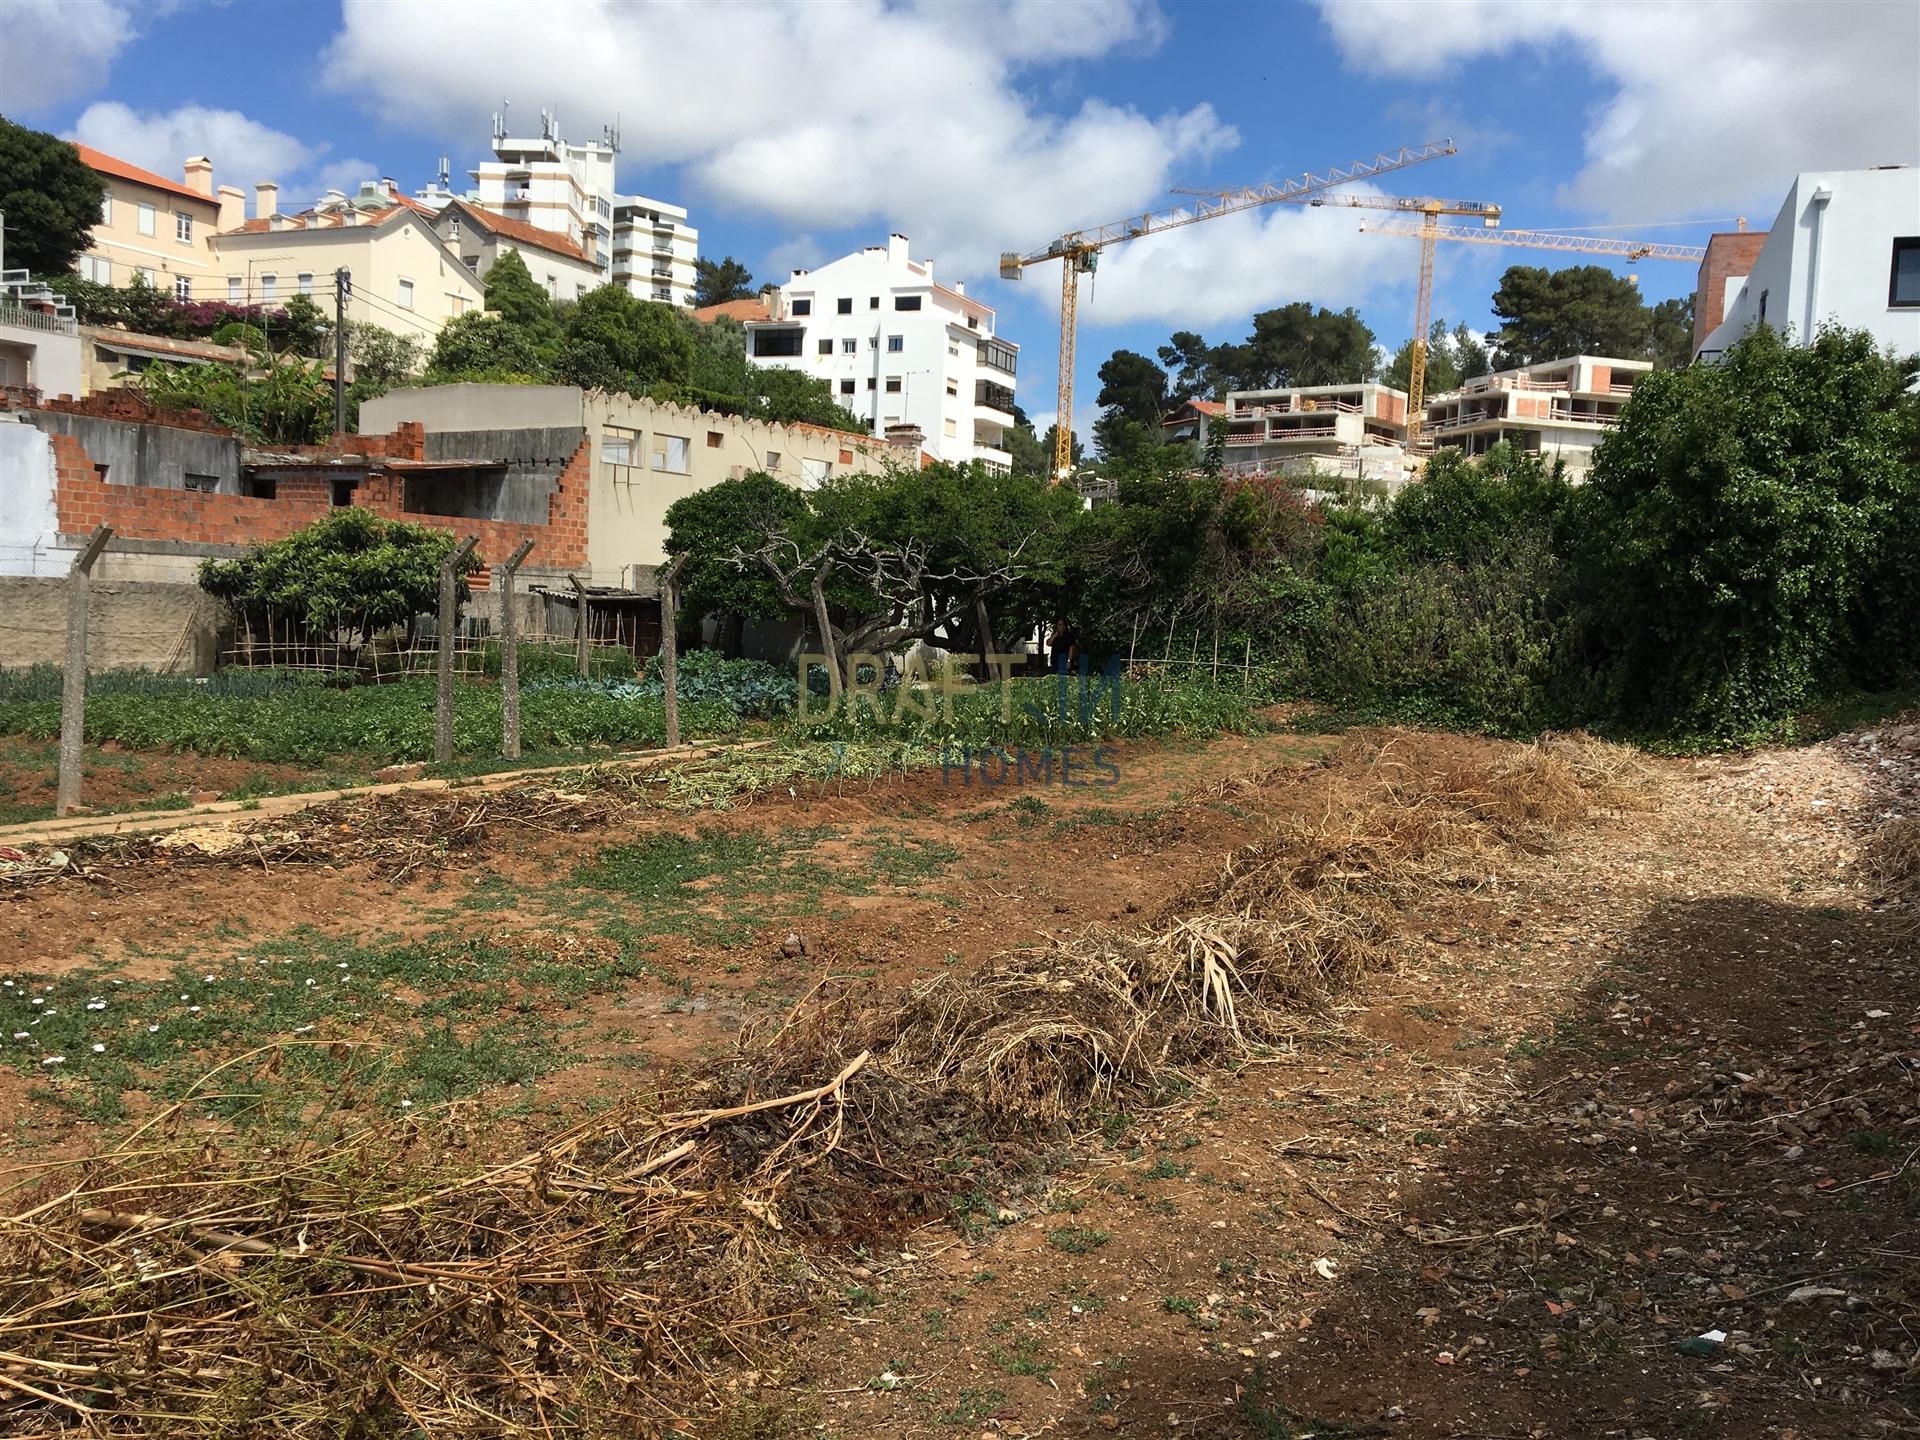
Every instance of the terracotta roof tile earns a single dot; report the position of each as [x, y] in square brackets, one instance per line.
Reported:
[112, 165]
[523, 232]
[745, 311]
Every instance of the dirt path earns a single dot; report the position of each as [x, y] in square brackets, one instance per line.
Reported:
[1630, 1150]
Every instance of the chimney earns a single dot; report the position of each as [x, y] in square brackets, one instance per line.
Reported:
[390, 185]
[959, 287]
[199, 172]
[233, 207]
[266, 199]
[905, 437]
[897, 248]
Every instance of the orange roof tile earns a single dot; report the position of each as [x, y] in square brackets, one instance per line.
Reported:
[753, 308]
[523, 232]
[111, 165]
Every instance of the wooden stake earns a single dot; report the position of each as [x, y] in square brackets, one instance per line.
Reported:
[510, 654]
[449, 616]
[73, 688]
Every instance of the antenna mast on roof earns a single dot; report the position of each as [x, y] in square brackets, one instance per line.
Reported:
[500, 120]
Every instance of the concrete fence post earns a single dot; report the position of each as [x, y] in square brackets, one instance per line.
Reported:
[579, 623]
[443, 660]
[73, 686]
[670, 647]
[510, 654]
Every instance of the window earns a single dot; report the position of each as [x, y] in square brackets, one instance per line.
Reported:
[896, 344]
[205, 484]
[147, 273]
[850, 347]
[1903, 285]
[815, 472]
[1763, 307]
[146, 219]
[182, 287]
[96, 268]
[869, 382]
[803, 307]
[953, 429]
[617, 446]
[844, 305]
[846, 387]
[906, 302]
[973, 322]
[673, 454]
[873, 302]
[773, 459]
[106, 209]
[453, 228]
[270, 287]
[183, 226]
[893, 384]
[715, 439]
[826, 347]
[342, 493]
[236, 290]
[406, 294]
[777, 343]
[953, 388]
[256, 487]
[305, 282]
[100, 473]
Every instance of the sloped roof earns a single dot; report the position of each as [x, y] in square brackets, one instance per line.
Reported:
[745, 311]
[120, 170]
[519, 230]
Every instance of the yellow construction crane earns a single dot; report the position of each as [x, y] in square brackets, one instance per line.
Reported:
[1428, 231]
[1077, 252]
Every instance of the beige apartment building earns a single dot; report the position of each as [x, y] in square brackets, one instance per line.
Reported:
[403, 276]
[1558, 409]
[159, 229]
[645, 455]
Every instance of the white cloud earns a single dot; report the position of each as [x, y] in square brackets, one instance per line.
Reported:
[55, 50]
[860, 114]
[243, 150]
[1709, 106]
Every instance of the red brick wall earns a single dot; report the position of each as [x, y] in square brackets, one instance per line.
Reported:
[82, 500]
[1728, 254]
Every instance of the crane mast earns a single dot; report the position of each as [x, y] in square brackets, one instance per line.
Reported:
[1077, 251]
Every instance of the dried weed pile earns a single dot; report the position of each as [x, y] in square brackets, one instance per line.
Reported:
[376, 1284]
[1892, 860]
[381, 1274]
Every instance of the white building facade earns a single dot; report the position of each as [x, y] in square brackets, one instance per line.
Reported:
[898, 349]
[1845, 249]
[553, 184]
[1558, 409]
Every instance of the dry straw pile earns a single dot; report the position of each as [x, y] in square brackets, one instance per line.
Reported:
[375, 1279]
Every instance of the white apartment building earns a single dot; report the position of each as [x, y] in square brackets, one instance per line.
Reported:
[555, 185]
[1845, 249]
[1558, 409]
[1348, 432]
[900, 350]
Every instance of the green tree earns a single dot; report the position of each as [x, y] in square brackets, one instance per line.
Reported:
[1133, 401]
[717, 281]
[1670, 333]
[1734, 524]
[712, 526]
[791, 396]
[346, 577]
[513, 294]
[1470, 354]
[1077, 450]
[1581, 310]
[290, 403]
[50, 197]
[302, 329]
[482, 345]
[378, 361]
[1299, 345]
[719, 363]
[1192, 366]
[1443, 362]
[613, 341]
[1031, 456]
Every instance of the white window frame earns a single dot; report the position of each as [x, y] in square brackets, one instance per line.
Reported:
[896, 344]
[183, 288]
[305, 282]
[269, 289]
[814, 472]
[850, 347]
[146, 219]
[669, 449]
[406, 295]
[183, 226]
[236, 290]
[96, 268]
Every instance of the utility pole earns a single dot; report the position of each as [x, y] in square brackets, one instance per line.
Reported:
[342, 288]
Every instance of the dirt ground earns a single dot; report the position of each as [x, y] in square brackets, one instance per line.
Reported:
[1623, 1148]
[113, 778]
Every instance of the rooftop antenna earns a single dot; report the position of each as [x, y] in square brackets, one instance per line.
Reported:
[500, 120]
[446, 173]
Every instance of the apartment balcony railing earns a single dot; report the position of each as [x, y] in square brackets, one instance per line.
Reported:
[31, 319]
[1581, 417]
[992, 396]
[663, 272]
[1345, 407]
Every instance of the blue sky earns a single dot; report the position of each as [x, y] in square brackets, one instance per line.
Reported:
[795, 133]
